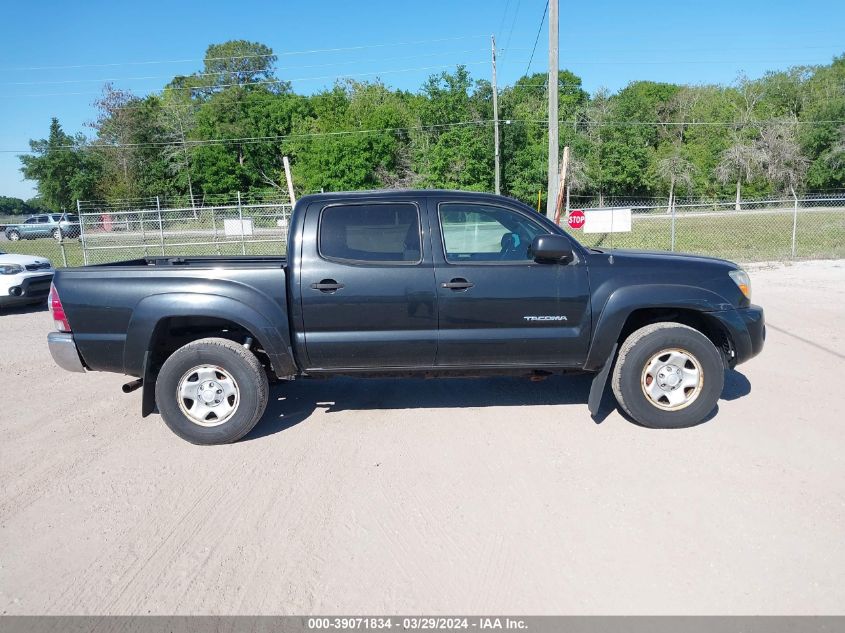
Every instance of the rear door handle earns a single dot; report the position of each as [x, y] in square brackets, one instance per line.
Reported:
[459, 283]
[327, 285]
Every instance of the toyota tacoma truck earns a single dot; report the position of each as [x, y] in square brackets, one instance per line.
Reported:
[405, 284]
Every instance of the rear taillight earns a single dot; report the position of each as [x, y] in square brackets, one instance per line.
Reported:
[58, 312]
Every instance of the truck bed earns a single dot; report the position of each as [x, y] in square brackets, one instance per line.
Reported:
[112, 306]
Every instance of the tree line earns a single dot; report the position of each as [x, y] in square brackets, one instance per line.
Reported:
[226, 128]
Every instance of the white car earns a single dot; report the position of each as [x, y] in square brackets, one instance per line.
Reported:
[24, 279]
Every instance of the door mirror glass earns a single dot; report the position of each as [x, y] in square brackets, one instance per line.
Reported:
[551, 248]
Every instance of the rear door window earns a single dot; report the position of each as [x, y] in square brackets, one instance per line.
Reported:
[371, 233]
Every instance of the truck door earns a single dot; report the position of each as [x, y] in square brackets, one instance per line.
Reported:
[496, 305]
[367, 285]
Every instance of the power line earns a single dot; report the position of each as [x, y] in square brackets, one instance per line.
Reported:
[513, 24]
[262, 82]
[477, 122]
[504, 15]
[537, 39]
[582, 48]
[257, 70]
[282, 54]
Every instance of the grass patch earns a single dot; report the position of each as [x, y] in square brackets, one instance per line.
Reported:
[47, 247]
[744, 238]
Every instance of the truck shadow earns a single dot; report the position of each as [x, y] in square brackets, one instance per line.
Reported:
[292, 403]
[24, 309]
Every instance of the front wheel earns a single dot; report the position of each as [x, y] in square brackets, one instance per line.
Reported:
[13, 236]
[211, 391]
[57, 235]
[668, 375]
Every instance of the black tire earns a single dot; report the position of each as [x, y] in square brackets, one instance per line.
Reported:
[243, 367]
[57, 235]
[635, 371]
[13, 236]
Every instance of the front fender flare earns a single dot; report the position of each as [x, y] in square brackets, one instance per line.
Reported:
[623, 301]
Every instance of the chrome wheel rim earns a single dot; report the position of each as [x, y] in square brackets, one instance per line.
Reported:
[672, 379]
[14, 237]
[208, 395]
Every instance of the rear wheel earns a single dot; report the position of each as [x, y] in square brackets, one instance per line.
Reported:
[211, 391]
[668, 375]
[57, 234]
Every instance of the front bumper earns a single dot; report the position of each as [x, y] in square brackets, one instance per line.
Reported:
[64, 352]
[747, 330]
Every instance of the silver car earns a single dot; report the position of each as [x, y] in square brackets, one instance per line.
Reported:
[55, 225]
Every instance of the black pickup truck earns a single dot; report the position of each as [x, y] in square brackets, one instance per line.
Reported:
[408, 283]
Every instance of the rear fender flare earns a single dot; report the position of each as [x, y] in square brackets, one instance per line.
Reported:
[272, 333]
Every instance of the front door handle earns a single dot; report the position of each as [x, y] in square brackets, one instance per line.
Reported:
[458, 283]
[327, 285]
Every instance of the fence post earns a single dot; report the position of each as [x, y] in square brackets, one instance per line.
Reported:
[241, 219]
[160, 225]
[143, 232]
[82, 232]
[214, 226]
[794, 221]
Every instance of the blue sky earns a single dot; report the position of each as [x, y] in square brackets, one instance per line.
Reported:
[606, 43]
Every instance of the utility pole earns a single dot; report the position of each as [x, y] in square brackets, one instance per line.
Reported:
[497, 167]
[289, 179]
[564, 165]
[551, 200]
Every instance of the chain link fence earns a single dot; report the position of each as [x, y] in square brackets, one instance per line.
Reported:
[223, 225]
[811, 227]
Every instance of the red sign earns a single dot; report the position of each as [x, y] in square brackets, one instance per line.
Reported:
[576, 219]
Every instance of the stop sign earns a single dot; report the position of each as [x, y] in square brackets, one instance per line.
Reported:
[576, 219]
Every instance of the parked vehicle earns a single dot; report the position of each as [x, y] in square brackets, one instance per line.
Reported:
[24, 279]
[408, 283]
[55, 225]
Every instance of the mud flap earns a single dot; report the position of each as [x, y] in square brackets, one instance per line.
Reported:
[599, 382]
[148, 395]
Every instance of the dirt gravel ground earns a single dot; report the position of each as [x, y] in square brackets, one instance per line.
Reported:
[449, 496]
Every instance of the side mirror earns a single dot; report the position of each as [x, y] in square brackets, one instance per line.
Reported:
[552, 248]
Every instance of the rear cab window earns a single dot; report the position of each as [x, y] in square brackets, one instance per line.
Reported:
[371, 233]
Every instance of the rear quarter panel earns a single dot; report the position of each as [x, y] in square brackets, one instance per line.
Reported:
[114, 312]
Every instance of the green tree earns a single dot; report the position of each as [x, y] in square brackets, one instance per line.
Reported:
[741, 162]
[455, 147]
[355, 137]
[62, 168]
[14, 206]
[237, 63]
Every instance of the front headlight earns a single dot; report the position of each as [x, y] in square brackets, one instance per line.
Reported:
[743, 281]
[10, 269]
